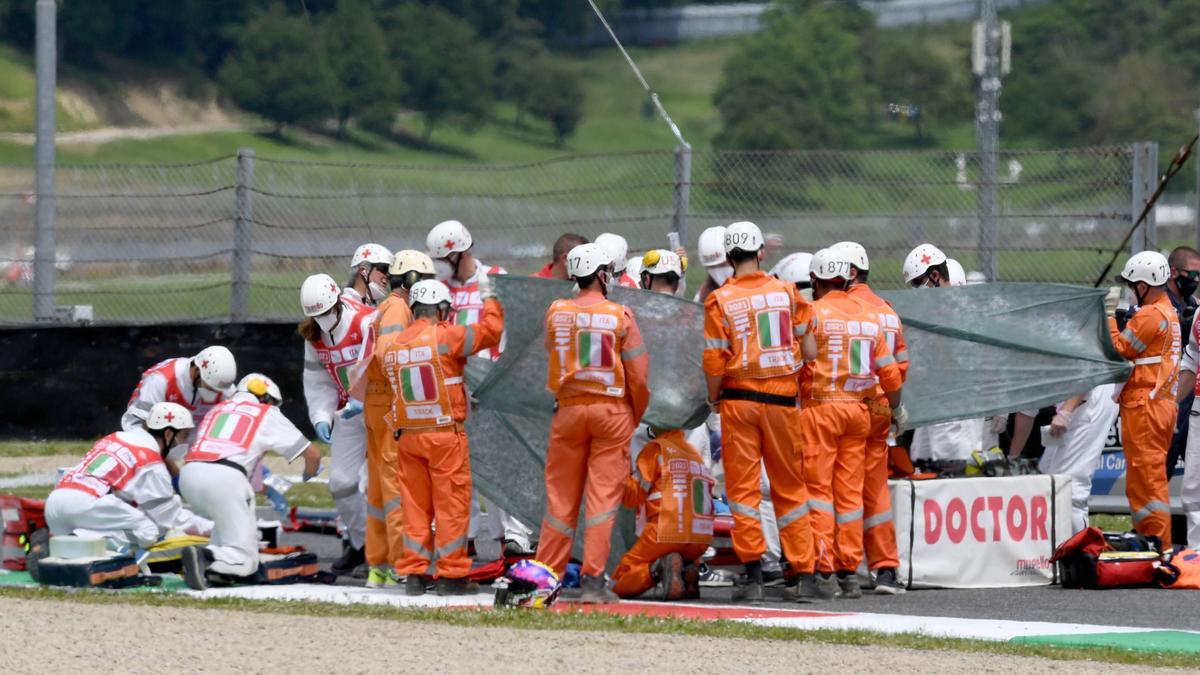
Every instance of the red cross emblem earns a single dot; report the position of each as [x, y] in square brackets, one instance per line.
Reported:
[333, 287]
[926, 259]
[449, 244]
[366, 253]
[170, 416]
[204, 363]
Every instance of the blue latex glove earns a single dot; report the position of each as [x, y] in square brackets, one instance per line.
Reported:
[307, 476]
[352, 409]
[324, 432]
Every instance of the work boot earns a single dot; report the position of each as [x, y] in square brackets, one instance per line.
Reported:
[825, 586]
[595, 591]
[795, 592]
[691, 581]
[195, 568]
[349, 562]
[848, 586]
[383, 576]
[414, 584]
[886, 582]
[773, 578]
[667, 573]
[456, 587]
[37, 547]
[750, 588]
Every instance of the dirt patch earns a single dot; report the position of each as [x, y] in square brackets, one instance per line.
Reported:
[52, 463]
[172, 639]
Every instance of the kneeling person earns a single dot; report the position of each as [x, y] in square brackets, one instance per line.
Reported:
[229, 447]
[121, 490]
[675, 487]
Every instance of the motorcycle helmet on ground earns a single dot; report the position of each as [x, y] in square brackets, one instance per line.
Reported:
[527, 583]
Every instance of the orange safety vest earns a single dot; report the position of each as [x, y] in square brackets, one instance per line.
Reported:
[849, 342]
[422, 396]
[587, 347]
[763, 343]
[467, 304]
[1183, 571]
[108, 466]
[340, 360]
[1159, 363]
[684, 493]
[227, 431]
[391, 319]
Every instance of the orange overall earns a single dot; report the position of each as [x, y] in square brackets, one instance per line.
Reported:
[597, 371]
[879, 534]
[424, 365]
[853, 359]
[385, 518]
[752, 330]
[675, 487]
[1151, 340]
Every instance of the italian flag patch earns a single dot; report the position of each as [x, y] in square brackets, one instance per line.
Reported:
[466, 317]
[774, 329]
[860, 357]
[101, 466]
[595, 350]
[230, 427]
[418, 384]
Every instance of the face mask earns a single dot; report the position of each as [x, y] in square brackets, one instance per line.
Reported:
[326, 322]
[443, 269]
[1187, 285]
[610, 282]
[720, 274]
[377, 291]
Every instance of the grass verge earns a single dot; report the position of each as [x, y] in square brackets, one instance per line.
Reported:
[44, 448]
[596, 622]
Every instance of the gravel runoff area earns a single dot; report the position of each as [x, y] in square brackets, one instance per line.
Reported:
[174, 639]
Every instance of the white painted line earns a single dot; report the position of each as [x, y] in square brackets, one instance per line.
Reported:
[938, 626]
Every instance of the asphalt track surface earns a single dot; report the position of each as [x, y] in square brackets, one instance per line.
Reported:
[1146, 608]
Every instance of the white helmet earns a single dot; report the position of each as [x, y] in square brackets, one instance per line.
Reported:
[372, 254]
[616, 247]
[958, 276]
[794, 268]
[831, 263]
[662, 261]
[166, 415]
[1148, 266]
[920, 259]
[260, 385]
[857, 254]
[976, 278]
[217, 368]
[428, 292]
[743, 235]
[633, 266]
[585, 259]
[409, 260]
[712, 246]
[318, 294]
[447, 237]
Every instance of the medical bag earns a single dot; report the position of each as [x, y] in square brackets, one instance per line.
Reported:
[1089, 559]
[20, 518]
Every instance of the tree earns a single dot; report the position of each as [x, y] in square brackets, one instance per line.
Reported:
[910, 72]
[445, 68]
[357, 52]
[520, 57]
[558, 98]
[1144, 98]
[276, 70]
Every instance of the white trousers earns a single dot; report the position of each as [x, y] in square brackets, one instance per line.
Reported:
[947, 441]
[347, 467]
[79, 513]
[772, 558]
[496, 523]
[1078, 450]
[1189, 494]
[223, 494]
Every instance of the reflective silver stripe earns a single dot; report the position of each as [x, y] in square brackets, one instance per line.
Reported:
[1079, 503]
[878, 519]
[391, 505]
[801, 329]
[599, 519]
[469, 340]
[716, 343]
[391, 328]
[348, 491]
[417, 548]
[820, 505]
[849, 517]
[653, 496]
[1153, 506]
[297, 448]
[1148, 361]
[1191, 507]
[143, 405]
[453, 380]
[454, 545]
[1133, 340]
[443, 349]
[313, 365]
[1162, 325]
[555, 523]
[793, 515]
[902, 356]
[155, 502]
[633, 353]
[885, 361]
[375, 512]
[743, 510]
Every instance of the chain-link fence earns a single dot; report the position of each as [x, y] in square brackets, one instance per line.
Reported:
[232, 238]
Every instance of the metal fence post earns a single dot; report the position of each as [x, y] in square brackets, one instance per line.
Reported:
[683, 190]
[44, 254]
[239, 305]
[1145, 180]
